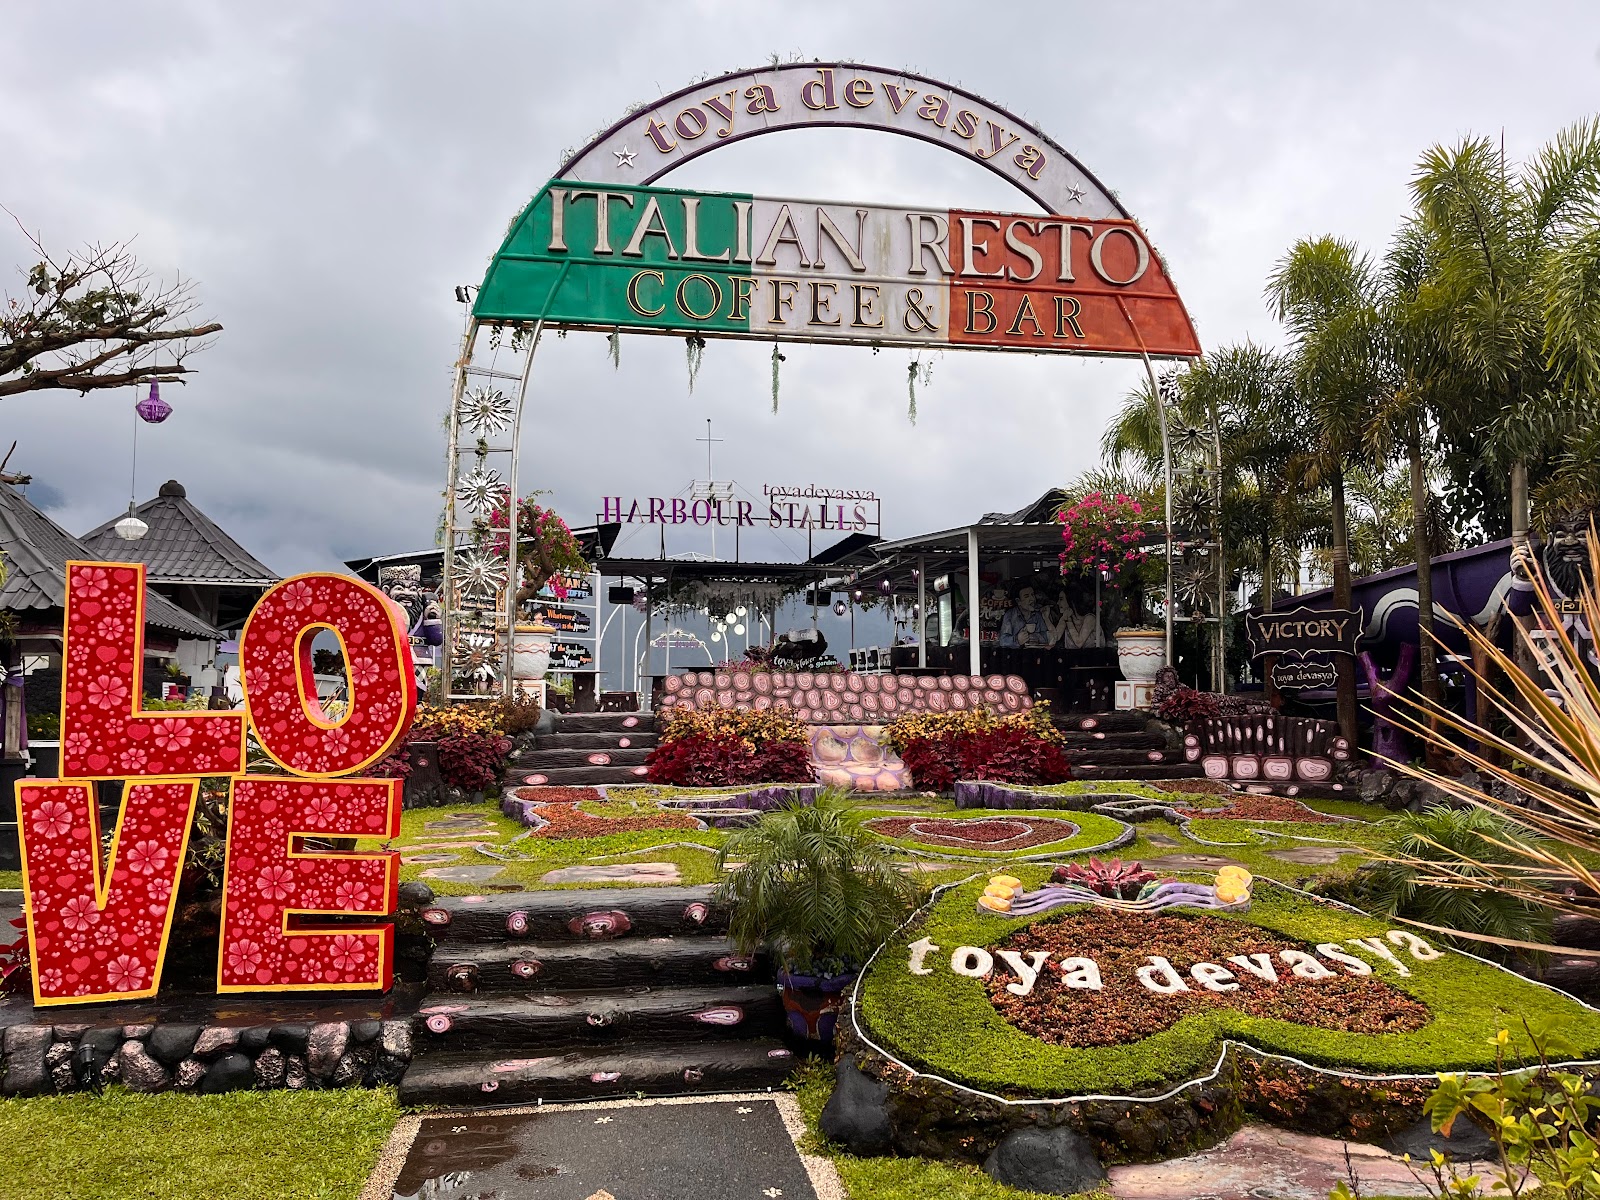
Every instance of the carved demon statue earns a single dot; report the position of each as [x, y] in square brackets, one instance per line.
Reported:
[1568, 567]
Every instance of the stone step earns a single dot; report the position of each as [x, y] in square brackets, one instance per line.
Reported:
[629, 962]
[1104, 722]
[579, 776]
[541, 1020]
[619, 723]
[654, 1070]
[545, 760]
[1105, 757]
[591, 914]
[1074, 740]
[635, 738]
[1178, 770]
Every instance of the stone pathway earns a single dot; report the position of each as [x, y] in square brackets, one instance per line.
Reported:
[646, 872]
[1269, 1164]
[740, 1147]
[467, 874]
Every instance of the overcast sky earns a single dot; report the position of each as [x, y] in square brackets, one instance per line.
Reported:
[326, 173]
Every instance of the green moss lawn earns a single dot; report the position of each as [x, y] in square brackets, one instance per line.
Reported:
[239, 1146]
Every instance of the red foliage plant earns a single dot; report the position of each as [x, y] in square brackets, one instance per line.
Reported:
[1187, 707]
[1113, 878]
[1005, 754]
[472, 761]
[14, 961]
[699, 760]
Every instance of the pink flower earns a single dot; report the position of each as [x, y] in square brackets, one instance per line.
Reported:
[274, 882]
[125, 973]
[364, 671]
[297, 595]
[321, 811]
[52, 818]
[77, 742]
[147, 857]
[133, 759]
[244, 956]
[351, 894]
[90, 581]
[110, 628]
[349, 952]
[79, 913]
[171, 734]
[107, 691]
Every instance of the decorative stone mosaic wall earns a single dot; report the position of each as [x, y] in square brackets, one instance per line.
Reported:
[829, 697]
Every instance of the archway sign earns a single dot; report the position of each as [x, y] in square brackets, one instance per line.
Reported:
[603, 247]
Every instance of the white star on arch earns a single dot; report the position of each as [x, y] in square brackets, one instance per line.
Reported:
[1075, 193]
[625, 157]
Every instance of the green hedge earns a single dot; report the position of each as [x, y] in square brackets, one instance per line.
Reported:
[944, 1023]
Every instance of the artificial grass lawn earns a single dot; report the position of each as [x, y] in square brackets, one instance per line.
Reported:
[946, 1023]
[239, 1146]
[1093, 830]
[11, 880]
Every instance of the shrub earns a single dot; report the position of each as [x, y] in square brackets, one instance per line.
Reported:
[1187, 707]
[940, 748]
[817, 886]
[723, 746]
[1474, 842]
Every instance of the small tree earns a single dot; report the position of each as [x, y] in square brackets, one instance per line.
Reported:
[95, 319]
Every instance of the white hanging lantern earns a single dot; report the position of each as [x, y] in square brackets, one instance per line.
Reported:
[130, 528]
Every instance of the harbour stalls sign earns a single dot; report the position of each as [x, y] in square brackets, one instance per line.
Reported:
[291, 918]
[607, 256]
[783, 506]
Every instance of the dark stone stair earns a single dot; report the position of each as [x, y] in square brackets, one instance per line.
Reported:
[547, 760]
[585, 750]
[573, 995]
[652, 962]
[595, 741]
[547, 1019]
[579, 915]
[655, 1070]
[579, 776]
[1149, 771]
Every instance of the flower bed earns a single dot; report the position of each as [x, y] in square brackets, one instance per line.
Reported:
[550, 794]
[943, 1021]
[981, 833]
[1124, 1011]
[940, 748]
[721, 746]
[564, 821]
[1261, 808]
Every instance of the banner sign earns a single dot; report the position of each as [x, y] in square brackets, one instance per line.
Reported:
[1311, 674]
[1302, 631]
[785, 507]
[609, 256]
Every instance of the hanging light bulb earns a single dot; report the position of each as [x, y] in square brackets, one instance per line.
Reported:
[739, 628]
[840, 608]
[857, 594]
[741, 610]
[153, 409]
[731, 618]
[715, 636]
[131, 528]
[886, 587]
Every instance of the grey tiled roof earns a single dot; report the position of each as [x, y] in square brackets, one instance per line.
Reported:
[37, 551]
[183, 545]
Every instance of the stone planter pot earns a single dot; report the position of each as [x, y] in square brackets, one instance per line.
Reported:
[811, 1003]
[530, 651]
[1141, 653]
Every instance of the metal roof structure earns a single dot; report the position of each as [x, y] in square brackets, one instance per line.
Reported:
[37, 551]
[183, 545]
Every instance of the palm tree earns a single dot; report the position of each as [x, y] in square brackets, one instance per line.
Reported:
[1514, 288]
[1325, 291]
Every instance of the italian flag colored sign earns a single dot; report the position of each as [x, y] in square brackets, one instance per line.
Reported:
[724, 264]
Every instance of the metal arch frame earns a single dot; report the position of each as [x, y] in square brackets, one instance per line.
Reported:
[571, 169]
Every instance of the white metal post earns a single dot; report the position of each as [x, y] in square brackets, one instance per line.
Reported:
[974, 661]
[922, 610]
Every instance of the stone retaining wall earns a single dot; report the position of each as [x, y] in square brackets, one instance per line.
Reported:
[43, 1059]
[830, 697]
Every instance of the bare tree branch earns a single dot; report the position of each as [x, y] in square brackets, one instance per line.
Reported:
[95, 320]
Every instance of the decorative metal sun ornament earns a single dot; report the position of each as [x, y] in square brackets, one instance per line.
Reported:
[481, 490]
[1195, 585]
[1193, 505]
[487, 411]
[479, 575]
[1189, 441]
[476, 657]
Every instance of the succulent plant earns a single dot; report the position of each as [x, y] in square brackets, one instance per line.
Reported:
[1115, 878]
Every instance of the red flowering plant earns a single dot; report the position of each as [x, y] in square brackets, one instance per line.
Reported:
[1104, 534]
[723, 746]
[940, 748]
[546, 548]
[14, 961]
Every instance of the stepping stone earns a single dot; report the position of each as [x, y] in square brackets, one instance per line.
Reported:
[1189, 862]
[412, 859]
[1313, 856]
[647, 872]
[463, 874]
[1161, 839]
[704, 1151]
[1262, 1161]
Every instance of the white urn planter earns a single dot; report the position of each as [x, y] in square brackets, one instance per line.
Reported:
[1141, 653]
[530, 652]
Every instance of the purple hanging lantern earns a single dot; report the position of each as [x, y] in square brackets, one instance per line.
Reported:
[153, 409]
